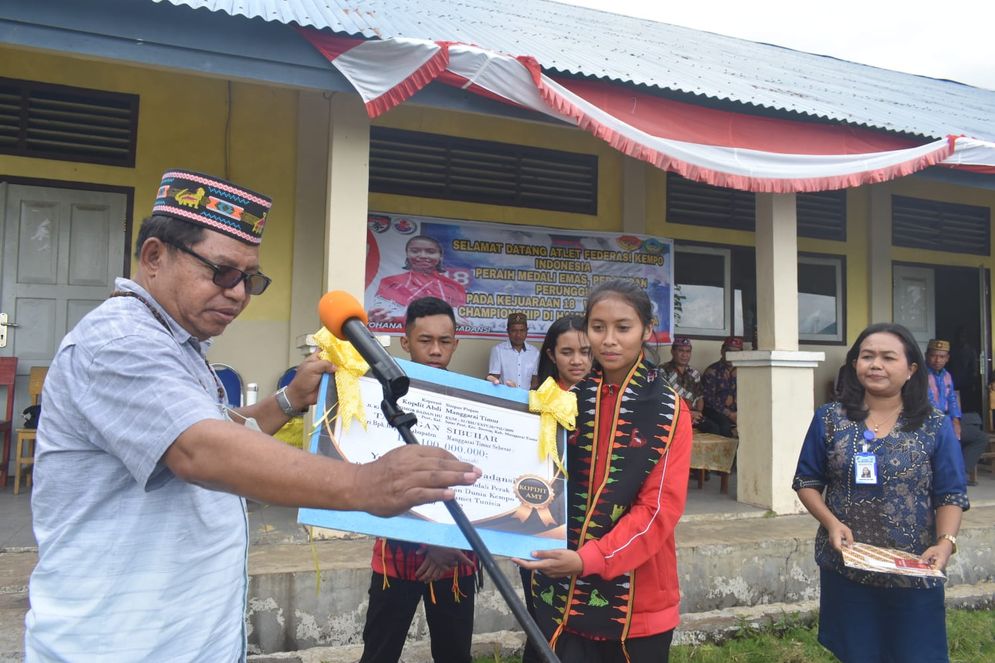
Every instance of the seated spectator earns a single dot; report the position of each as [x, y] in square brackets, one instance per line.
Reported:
[965, 370]
[943, 396]
[686, 381]
[718, 384]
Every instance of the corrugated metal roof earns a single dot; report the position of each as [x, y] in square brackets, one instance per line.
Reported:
[586, 42]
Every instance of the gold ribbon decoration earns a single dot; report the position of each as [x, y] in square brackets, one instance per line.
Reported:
[350, 366]
[554, 406]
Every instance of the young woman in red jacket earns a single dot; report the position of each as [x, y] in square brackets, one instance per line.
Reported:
[613, 595]
[565, 356]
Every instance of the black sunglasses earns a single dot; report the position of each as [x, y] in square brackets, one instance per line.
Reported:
[229, 277]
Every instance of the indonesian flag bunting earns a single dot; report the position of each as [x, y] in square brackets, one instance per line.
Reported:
[721, 148]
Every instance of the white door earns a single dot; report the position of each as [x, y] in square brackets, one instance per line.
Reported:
[62, 249]
[913, 301]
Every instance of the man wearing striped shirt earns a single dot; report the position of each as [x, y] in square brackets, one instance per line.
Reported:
[141, 469]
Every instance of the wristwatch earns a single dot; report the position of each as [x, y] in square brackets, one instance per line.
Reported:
[951, 538]
[285, 406]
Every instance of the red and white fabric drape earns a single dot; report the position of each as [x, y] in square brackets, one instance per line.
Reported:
[721, 148]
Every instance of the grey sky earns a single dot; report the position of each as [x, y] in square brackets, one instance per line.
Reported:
[953, 39]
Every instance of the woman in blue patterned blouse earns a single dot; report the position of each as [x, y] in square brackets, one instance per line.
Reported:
[881, 466]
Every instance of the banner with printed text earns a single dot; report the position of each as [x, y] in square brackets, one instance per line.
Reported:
[487, 271]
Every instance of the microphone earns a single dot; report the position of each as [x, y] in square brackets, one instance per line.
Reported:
[343, 315]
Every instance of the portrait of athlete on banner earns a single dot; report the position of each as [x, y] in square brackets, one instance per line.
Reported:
[423, 276]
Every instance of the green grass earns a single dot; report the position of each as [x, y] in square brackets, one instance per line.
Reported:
[970, 635]
[790, 644]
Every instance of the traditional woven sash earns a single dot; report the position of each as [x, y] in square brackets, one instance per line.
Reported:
[643, 427]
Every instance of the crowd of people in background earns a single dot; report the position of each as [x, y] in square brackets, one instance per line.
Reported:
[883, 463]
[855, 475]
[710, 396]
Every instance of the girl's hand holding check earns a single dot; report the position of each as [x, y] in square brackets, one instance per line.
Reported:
[554, 563]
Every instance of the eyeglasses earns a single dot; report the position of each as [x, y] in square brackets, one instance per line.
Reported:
[229, 277]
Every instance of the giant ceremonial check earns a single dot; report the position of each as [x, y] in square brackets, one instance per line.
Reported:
[486, 271]
[517, 505]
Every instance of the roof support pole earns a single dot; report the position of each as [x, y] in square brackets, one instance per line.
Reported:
[774, 388]
[308, 269]
[347, 199]
[777, 271]
[633, 196]
[879, 254]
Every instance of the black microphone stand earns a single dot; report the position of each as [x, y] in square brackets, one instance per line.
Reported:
[403, 421]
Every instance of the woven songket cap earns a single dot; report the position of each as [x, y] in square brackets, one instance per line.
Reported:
[682, 342]
[517, 319]
[213, 203]
[937, 344]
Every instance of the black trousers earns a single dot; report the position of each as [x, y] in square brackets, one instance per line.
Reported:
[722, 424]
[530, 654]
[973, 440]
[572, 648]
[706, 425]
[450, 624]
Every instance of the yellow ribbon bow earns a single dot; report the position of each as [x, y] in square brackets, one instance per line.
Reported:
[554, 406]
[350, 366]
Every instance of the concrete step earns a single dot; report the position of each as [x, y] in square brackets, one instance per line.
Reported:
[714, 626]
[723, 564]
[501, 643]
[15, 568]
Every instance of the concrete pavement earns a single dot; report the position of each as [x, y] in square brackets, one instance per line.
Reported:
[732, 557]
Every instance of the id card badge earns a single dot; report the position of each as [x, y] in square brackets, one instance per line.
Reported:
[865, 468]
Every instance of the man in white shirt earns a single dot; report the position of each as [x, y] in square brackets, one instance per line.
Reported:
[514, 362]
